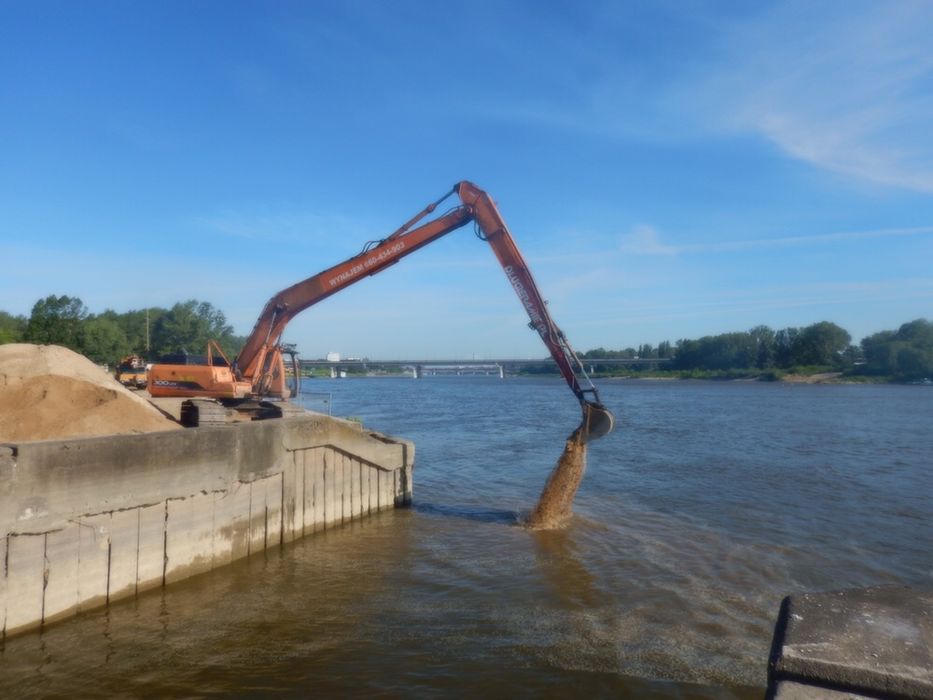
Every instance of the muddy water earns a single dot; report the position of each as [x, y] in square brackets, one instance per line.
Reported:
[706, 505]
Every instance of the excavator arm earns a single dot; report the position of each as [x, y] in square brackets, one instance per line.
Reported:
[260, 355]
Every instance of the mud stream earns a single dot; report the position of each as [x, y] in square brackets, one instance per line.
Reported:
[555, 505]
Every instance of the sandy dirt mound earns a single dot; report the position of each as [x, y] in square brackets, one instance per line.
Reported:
[49, 392]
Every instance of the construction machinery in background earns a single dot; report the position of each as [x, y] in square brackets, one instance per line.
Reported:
[131, 372]
[255, 383]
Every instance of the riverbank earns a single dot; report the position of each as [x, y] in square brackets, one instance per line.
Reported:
[795, 377]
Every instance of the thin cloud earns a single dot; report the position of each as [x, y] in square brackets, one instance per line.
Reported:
[304, 227]
[845, 88]
[645, 241]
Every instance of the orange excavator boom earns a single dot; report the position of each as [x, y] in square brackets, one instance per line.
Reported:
[260, 360]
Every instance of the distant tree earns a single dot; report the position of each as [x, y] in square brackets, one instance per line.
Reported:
[646, 352]
[918, 333]
[190, 325]
[820, 344]
[784, 340]
[852, 356]
[665, 351]
[56, 320]
[905, 353]
[102, 340]
[133, 324]
[725, 351]
[11, 328]
[763, 338]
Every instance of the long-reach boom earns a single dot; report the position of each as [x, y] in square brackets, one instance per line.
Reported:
[260, 361]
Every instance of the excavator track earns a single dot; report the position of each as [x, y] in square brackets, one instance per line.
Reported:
[200, 413]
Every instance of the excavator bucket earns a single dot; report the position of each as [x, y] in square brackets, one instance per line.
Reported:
[597, 421]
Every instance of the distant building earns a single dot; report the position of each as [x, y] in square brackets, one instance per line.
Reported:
[333, 357]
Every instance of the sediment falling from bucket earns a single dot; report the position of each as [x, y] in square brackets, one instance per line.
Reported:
[555, 506]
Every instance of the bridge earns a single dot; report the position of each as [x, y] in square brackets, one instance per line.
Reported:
[501, 367]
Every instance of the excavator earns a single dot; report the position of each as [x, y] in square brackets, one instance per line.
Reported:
[258, 373]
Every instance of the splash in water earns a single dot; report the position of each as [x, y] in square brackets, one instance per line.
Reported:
[555, 506]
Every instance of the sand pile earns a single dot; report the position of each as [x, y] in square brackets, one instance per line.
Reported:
[49, 392]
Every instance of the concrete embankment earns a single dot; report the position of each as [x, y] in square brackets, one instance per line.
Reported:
[89, 521]
[859, 643]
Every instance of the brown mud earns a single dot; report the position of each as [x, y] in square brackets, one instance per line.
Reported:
[555, 506]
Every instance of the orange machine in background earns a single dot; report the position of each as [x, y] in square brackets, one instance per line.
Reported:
[131, 372]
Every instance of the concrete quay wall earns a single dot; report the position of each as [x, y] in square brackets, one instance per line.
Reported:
[84, 522]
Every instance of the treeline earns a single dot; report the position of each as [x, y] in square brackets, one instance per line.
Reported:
[109, 336]
[903, 354]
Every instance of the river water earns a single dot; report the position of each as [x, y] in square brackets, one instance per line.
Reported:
[709, 503]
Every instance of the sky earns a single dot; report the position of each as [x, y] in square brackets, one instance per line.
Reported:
[669, 169]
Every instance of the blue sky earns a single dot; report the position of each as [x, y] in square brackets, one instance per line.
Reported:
[669, 169]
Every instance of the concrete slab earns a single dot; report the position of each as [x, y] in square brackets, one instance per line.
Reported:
[124, 553]
[61, 588]
[874, 641]
[150, 558]
[87, 520]
[365, 471]
[356, 484]
[231, 512]
[788, 690]
[93, 560]
[293, 476]
[3, 596]
[333, 476]
[346, 506]
[170, 406]
[189, 534]
[386, 490]
[314, 490]
[273, 510]
[257, 515]
[25, 578]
